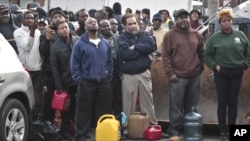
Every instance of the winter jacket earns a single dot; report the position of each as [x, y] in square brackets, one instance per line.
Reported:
[91, 62]
[60, 53]
[135, 61]
[44, 50]
[112, 40]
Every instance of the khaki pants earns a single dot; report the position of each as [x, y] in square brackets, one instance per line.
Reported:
[138, 85]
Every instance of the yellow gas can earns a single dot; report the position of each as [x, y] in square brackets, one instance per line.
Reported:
[108, 128]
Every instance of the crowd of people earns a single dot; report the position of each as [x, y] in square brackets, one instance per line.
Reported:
[104, 63]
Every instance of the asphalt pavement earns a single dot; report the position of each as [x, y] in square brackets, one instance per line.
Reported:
[210, 133]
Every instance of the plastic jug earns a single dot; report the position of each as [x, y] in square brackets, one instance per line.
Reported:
[193, 126]
[60, 101]
[153, 133]
[137, 124]
[108, 128]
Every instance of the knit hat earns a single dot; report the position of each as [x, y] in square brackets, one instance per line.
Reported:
[53, 9]
[157, 16]
[3, 8]
[180, 12]
[58, 12]
[117, 7]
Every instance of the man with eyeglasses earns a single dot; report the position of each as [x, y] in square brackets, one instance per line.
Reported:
[7, 26]
[158, 31]
[182, 56]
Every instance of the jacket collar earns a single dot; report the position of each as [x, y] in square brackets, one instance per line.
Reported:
[26, 28]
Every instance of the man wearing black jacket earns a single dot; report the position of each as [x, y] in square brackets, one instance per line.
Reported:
[47, 38]
[60, 57]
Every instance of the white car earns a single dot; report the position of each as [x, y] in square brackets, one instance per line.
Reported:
[16, 95]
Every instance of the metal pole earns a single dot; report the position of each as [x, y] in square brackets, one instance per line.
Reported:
[48, 7]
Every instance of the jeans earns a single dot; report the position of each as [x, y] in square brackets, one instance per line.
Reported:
[183, 95]
[117, 94]
[36, 77]
[228, 82]
[94, 100]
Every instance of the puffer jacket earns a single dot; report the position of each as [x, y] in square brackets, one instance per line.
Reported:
[44, 49]
[60, 62]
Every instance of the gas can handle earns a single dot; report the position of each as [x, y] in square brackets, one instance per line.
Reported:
[105, 116]
[158, 127]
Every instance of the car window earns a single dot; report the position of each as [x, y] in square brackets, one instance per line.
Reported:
[9, 61]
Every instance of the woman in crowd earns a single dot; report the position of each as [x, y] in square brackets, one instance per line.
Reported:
[228, 54]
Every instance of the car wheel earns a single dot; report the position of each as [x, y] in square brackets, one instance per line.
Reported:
[13, 121]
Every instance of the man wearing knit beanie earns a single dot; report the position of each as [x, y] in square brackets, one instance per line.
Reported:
[57, 13]
[47, 38]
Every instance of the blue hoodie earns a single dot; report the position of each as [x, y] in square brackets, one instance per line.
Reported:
[91, 62]
[7, 30]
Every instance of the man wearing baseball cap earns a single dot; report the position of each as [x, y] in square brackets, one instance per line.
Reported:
[182, 48]
[7, 26]
[42, 24]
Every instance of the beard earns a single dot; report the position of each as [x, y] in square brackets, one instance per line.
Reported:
[183, 26]
[133, 32]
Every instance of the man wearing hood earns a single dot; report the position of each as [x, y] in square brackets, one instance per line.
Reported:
[7, 26]
[117, 8]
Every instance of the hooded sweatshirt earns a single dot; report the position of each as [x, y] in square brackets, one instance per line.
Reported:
[7, 30]
[117, 8]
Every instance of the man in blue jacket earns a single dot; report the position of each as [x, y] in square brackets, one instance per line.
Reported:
[135, 47]
[92, 69]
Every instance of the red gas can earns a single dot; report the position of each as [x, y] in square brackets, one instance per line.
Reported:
[153, 133]
[60, 101]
